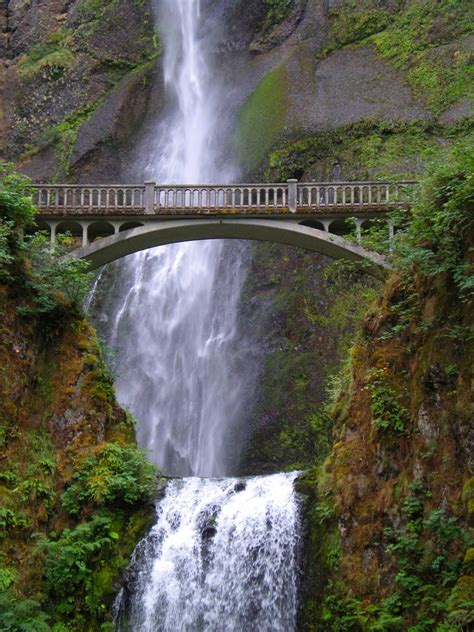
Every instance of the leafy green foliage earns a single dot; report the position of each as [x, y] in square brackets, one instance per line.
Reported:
[343, 614]
[6, 256]
[17, 210]
[388, 415]
[22, 615]
[56, 284]
[51, 283]
[8, 574]
[434, 241]
[113, 474]
[71, 559]
[427, 554]
[429, 596]
[10, 520]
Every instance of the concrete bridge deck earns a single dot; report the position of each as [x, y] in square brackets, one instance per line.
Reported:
[111, 221]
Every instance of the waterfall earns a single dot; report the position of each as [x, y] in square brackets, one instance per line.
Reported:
[221, 556]
[182, 370]
[222, 552]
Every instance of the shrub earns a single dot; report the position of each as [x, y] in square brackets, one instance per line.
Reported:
[54, 281]
[50, 282]
[6, 257]
[114, 474]
[70, 561]
[442, 217]
[433, 238]
[16, 205]
[388, 415]
[22, 615]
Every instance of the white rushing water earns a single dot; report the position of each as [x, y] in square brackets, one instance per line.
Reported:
[221, 555]
[182, 369]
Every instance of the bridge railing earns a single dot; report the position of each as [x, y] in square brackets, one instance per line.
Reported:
[225, 197]
[152, 198]
[97, 197]
[343, 194]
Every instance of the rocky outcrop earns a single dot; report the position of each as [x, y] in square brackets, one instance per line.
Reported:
[345, 65]
[66, 60]
[388, 516]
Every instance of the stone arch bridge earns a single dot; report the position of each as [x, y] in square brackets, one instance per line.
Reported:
[112, 221]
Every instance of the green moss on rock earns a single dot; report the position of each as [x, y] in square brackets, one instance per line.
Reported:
[262, 119]
[420, 42]
[366, 150]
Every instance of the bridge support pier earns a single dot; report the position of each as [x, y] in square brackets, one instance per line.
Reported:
[53, 226]
[358, 227]
[85, 240]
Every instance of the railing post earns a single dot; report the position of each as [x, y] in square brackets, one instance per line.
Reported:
[292, 195]
[150, 197]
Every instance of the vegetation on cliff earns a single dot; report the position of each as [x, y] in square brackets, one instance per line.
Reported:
[391, 510]
[426, 45]
[75, 490]
[420, 38]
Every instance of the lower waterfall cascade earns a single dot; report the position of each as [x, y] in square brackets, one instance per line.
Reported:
[222, 550]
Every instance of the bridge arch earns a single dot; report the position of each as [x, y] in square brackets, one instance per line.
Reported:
[287, 232]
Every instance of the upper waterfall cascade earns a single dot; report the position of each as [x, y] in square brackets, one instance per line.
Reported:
[173, 323]
[220, 548]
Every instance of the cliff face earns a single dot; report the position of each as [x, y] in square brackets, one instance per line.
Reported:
[76, 78]
[356, 90]
[330, 90]
[68, 464]
[303, 312]
[326, 89]
[391, 510]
